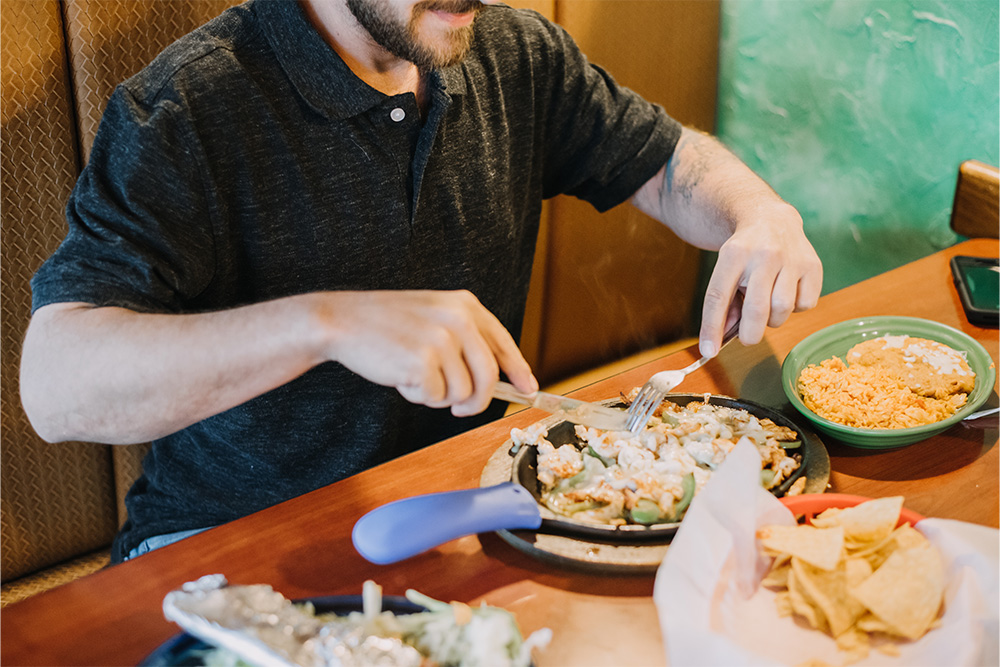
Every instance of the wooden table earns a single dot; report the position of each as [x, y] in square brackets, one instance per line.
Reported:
[303, 547]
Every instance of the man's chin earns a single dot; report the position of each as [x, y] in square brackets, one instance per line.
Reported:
[446, 46]
[442, 59]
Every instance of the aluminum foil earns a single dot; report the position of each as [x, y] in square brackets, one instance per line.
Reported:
[262, 627]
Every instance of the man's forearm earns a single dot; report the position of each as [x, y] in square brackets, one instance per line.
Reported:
[704, 191]
[112, 375]
[115, 376]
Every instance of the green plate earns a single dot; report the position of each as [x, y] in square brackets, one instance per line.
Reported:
[837, 339]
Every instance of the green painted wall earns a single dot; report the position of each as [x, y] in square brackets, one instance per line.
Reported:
[859, 112]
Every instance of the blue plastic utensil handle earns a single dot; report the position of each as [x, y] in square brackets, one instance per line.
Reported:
[411, 526]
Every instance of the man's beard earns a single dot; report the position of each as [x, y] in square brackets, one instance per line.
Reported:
[402, 39]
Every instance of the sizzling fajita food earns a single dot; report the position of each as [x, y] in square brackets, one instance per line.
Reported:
[613, 477]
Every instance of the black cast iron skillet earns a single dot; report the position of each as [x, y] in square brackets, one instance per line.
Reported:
[525, 473]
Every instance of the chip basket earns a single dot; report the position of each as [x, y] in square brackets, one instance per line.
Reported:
[806, 506]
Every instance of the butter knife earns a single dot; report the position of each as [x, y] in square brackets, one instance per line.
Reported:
[570, 409]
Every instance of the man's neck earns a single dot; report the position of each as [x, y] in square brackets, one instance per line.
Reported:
[370, 62]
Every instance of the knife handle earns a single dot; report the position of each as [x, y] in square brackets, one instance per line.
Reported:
[411, 526]
[505, 391]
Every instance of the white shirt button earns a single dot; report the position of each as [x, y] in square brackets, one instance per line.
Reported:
[397, 114]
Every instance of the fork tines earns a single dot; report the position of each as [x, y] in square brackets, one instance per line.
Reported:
[643, 407]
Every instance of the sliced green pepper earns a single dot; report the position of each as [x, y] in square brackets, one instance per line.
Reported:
[645, 511]
[766, 478]
[570, 483]
[608, 462]
[581, 506]
[791, 444]
[669, 419]
[592, 467]
[688, 485]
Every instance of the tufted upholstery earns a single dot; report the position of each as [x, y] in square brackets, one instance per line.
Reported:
[55, 499]
[60, 62]
[61, 504]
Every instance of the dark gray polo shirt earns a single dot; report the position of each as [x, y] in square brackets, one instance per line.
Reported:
[248, 163]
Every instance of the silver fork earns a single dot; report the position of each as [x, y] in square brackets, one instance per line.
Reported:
[656, 388]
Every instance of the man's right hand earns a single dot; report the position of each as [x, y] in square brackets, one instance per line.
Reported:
[441, 349]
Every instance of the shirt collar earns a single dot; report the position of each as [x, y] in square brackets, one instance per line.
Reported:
[321, 77]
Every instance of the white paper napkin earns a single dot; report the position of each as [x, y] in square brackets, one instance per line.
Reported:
[713, 611]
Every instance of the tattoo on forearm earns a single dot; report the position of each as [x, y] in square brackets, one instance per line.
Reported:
[685, 170]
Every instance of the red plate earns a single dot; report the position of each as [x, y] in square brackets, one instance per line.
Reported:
[811, 504]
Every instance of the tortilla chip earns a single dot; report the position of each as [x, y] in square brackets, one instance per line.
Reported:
[908, 537]
[820, 547]
[906, 591]
[804, 606]
[825, 519]
[784, 604]
[904, 536]
[857, 570]
[863, 549]
[777, 576]
[872, 623]
[870, 521]
[855, 644]
[876, 553]
[828, 590]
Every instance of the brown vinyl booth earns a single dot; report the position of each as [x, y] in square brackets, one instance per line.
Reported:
[604, 286]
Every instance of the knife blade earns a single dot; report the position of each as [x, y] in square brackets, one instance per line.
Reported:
[570, 409]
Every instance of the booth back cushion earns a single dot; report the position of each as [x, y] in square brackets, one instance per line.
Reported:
[55, 502]
[61, 61]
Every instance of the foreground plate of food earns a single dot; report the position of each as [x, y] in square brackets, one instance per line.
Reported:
[618, 487]
[190, 651]
[237, 625]
[882, 382]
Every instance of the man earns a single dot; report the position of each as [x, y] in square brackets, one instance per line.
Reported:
[303, 241]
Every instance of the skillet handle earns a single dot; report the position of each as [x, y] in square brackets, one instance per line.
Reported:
[411, 526]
